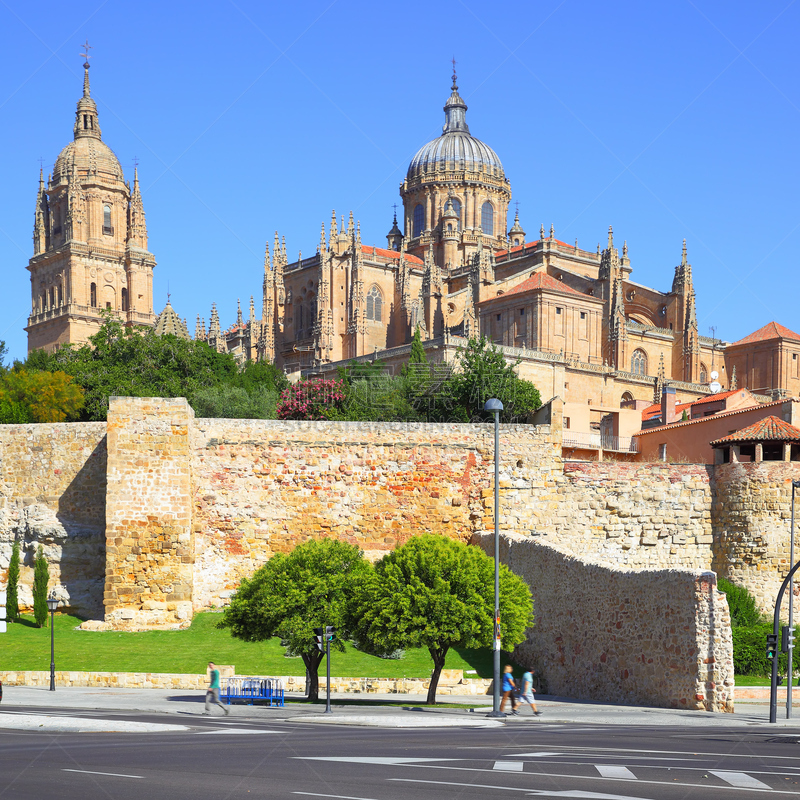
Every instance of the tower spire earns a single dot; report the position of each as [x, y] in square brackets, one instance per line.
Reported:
[85, 55]
[86, 122]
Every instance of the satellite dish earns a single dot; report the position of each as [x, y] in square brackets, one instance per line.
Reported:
[715, 386]
[714, 375]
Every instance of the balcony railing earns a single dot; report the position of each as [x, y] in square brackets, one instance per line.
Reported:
[599, 441]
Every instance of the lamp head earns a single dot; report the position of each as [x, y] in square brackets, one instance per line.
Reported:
[52, 603]
[493, 404]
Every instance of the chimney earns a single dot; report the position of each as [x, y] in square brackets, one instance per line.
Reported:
[668, 400]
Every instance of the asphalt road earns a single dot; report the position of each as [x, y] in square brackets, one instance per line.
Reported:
[240, 758]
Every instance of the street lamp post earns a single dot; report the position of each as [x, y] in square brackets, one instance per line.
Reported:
[795, 485]
[495, 406]
[52, 604]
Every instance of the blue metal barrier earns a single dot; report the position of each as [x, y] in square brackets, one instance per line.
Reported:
[250, 689]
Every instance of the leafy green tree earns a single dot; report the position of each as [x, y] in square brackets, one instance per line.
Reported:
[741, 604]
[482, 372]
[41, 577]
[38, 396]
[293, 593]
[12, 597]
[3, 354]
[438, 593]
[235, 402]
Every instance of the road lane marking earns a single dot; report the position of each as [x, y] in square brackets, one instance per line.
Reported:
[533, 792]
[741, 780]
[112, 774]
[615, 771]
[339, 796]
[509, 766]
[235, 731]
[388, 760]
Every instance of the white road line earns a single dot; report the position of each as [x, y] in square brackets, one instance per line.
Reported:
[112, 774]
[340, 796]
[615, 771]
[741, 780]
[547, 792]
[388, 760]
[508, 766]
[234, 731]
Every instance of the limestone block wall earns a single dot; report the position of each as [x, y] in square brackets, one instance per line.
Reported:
[603, 632]
[261, 487]
[149, 547]
[638, 515]
[53, 493]
[752, 516]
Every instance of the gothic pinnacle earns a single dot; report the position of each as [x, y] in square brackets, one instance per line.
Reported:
[552, 231]
[683, 254]
[541, 231]
[610, 237]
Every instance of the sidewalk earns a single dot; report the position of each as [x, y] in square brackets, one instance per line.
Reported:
[402, 711]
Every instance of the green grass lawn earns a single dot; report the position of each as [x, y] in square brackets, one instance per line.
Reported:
[26, 647]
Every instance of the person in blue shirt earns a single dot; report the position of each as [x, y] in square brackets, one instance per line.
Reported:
[212, 695]
[508, 687]
[526, 694]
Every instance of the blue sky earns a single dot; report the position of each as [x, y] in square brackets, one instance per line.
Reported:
[664, 119]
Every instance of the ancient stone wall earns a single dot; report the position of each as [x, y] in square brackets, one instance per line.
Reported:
[53, 493]
[149, 547]
[752, 520]
[261, 487]
[601, 632]
[632, 514]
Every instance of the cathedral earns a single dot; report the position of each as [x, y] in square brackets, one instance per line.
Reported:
[580, 327]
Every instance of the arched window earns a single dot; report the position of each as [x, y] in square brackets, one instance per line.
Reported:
[449, 226]
[93, 295]
[374, 304]
[107, 229]
[298, 320]
[52, 297]
[487, 219]
[419, 220]
[124, 296]
[60, 295]
[43, 302]
[627, 397]
[703, 373]
[639, 362]
[516, 242]
[457, 208]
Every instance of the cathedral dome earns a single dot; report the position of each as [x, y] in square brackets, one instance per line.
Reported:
[456, 148]
[87, 156]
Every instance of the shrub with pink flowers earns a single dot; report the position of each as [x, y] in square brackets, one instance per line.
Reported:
[312, 399]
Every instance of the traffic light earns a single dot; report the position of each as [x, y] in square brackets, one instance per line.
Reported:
[330, 633]
[319, 637]
[772, 645]
[787, 639]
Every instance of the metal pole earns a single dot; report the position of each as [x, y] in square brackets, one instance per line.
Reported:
[776, 622]
[52, 655]
[496, 696]
[791, 617]
[328, 671]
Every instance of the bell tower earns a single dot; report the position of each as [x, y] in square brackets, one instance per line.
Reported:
[89, 240]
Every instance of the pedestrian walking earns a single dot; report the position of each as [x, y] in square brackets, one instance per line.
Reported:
[509, 687]
[212, 695]
[526, 693]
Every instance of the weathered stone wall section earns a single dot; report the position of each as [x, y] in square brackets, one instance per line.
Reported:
[752, 526]
[53, 493]
[631, 514]
[646, 637]
[261, 487]
[149, 547]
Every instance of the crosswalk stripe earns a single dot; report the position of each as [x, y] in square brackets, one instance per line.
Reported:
[508, 766]
[741, 780]
[615, 771]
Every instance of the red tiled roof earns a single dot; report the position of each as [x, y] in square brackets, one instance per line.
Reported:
[769, 429]
[655, 410]
[772, 330]
[383, 253]
[701, 420]
[539, 281]
[528, 246]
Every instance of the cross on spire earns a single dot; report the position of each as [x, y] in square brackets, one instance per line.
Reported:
[394, 206]
[85, 54]
[454, 73]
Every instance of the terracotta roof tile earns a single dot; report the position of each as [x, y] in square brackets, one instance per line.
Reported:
[769, 429]
[655, 410]
[383, 253]
[539, 281]
[772, 330]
